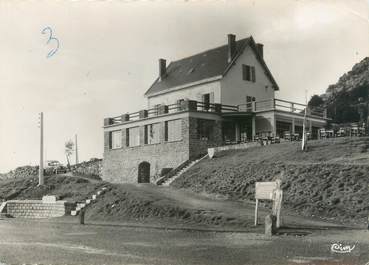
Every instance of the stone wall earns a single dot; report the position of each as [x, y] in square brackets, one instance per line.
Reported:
[24, 171]
[37, 209]
[92, 168]
[121, 165]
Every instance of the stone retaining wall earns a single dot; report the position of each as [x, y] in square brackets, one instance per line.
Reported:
[92, 168]
[37, 209]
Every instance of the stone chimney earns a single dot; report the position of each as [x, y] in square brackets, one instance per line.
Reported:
[260, 49]
[231, 47]
[162, 68]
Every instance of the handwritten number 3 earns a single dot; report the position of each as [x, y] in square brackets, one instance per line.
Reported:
[51, 40]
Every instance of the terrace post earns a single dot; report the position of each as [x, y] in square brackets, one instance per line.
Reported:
[292, 107]
[190, 105]
[125, 117]
[108, 121]
[293, 125]
[253, 104]
[217, 108]
[253, 127]
[163, 109]
[143, 114]
[308, 110]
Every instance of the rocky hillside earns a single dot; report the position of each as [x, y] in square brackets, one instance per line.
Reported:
[91, 169]
[341, 99]
[330, 180]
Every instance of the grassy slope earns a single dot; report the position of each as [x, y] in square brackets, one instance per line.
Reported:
[330, 180]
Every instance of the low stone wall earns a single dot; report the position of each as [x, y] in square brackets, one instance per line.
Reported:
[92, 168]
[24, 171]
[213, 151]
[37, 209]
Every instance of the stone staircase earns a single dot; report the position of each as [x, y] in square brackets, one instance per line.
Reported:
[81, 205]
[168, 181]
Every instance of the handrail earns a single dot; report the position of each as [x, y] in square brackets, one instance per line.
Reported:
[192, 105]
[290, 102]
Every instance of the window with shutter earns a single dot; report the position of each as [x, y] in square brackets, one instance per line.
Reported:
[116, 139]
[248, 73]
[152, 133]
[134, 136]
[253, 74]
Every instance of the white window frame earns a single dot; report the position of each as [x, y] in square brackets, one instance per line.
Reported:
[152, 136]
[134, 140]
[116, 139]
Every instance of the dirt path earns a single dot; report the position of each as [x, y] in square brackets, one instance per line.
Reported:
[173, 206]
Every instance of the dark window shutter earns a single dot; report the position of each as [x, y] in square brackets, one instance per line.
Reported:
[110, 140]
[127, 137]
[146, 134]
[166, 131]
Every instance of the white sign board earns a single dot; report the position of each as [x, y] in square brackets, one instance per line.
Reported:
[269, 191]
[265, 190]
[211, 152]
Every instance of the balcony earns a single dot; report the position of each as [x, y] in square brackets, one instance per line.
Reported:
[196, 106]
[162, 110]
[282, 106]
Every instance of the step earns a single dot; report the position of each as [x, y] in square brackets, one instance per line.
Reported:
[74, 213]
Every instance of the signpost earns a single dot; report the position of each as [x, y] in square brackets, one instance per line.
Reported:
[269, 191]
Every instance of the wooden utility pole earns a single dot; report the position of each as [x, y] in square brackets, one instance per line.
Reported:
[76, 149]
[41, 166]
[304, 138]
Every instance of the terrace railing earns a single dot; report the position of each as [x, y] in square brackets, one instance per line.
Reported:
[282, 105]
[180, 106]
[196, 106]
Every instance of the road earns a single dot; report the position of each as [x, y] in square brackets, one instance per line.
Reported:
[43, 242]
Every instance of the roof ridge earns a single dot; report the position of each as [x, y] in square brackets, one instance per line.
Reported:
[197, 54]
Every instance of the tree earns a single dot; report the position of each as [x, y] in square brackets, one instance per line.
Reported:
[315, 101]
[69, 149]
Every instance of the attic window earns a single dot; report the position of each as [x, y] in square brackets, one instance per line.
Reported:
[248, 73]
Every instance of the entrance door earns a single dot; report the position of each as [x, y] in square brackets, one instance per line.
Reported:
[144, 172]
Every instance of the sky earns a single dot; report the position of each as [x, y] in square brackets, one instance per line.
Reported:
[108, 57]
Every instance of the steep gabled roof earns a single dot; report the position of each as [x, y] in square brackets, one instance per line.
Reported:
[204, 66]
